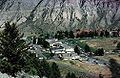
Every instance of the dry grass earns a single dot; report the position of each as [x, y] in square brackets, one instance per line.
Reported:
[77, 67]
[106, 43]
[108, 57]
[96, 69]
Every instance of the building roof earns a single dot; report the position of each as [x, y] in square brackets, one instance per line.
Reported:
[70, 56]
[51, 40]
[57, 48]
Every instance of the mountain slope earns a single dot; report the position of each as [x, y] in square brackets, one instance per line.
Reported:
[46, 15]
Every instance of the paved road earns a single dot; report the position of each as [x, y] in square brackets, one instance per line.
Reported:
[93, 60]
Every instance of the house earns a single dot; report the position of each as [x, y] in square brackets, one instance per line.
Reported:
[68, 49]
[54, 42]
[57, 50]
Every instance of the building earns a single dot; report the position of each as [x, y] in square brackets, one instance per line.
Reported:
[57, 50]
[68, 49]
[54, 42]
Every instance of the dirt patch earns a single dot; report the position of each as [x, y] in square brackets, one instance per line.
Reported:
[96, 69]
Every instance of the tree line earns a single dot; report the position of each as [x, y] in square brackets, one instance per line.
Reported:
[83, 33]
[96, 33]
[98, 52]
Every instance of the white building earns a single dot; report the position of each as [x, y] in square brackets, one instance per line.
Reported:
[57, 50]
[70, 56]
[68, 49]
[54, 42]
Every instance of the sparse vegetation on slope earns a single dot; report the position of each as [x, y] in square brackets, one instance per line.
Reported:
[82, 69]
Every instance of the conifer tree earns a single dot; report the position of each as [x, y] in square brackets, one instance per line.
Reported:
[45, 68]
[66, 34]
[68, 75]
[55, 71]
[114, 68]
[71, 35]
[87, 48]
[76, 49]
[34, 40]
[13, 50]
[118, 46]
[71, 75]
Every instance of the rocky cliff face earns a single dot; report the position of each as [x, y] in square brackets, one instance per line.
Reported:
[51, 15]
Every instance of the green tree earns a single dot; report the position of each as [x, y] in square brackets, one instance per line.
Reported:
[47, 36]
[32, 65]
[34, 40]
[76, 49]
[102, 33]
[55, 71]
[68, 75]
[106, 33]
[71, 35]
[114, 68]
[99, 52]
[45, 44]
[66, 34]
[40, 41]
[71, 75]
[45, 68]
[59, 35]
[87, 48]
[77, 35]
[118, 46]
[13, 50]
